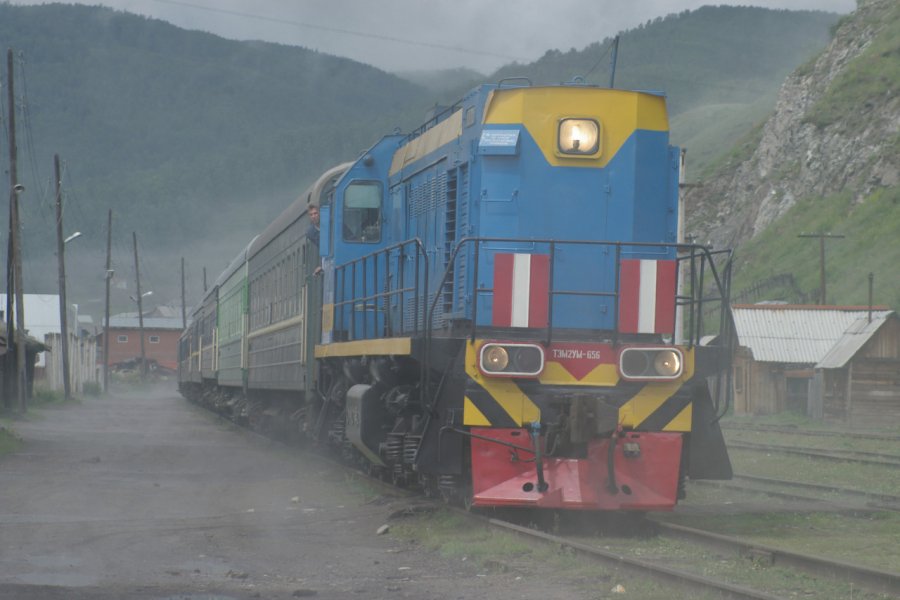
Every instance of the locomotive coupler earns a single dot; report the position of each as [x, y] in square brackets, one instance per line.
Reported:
[535, 430]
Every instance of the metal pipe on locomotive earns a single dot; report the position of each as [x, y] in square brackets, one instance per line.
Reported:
[505, 314]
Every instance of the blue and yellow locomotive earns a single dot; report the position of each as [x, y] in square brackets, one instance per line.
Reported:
[498, 309]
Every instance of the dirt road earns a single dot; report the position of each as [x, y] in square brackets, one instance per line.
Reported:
[142, 495]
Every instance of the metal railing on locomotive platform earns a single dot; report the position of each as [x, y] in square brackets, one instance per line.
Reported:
[701, 261]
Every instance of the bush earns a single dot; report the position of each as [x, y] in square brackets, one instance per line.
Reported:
[44, 395]
[92, 388]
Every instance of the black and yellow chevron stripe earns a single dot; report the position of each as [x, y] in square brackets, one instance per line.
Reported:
[508, 403]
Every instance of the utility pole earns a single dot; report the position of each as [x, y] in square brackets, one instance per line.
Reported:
[137, 275]
[204, 280]
[871, 294]
[15, 256]
[63, 307]
[9, 359]
[183, 307]
[109, 274]
[821, 236]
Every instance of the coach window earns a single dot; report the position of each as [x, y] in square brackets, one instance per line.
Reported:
[362, 212]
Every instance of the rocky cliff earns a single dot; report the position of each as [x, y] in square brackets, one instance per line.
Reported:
[835, 129]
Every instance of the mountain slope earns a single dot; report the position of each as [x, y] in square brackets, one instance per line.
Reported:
[828, 160]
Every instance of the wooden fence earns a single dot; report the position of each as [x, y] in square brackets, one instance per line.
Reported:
[83, 367]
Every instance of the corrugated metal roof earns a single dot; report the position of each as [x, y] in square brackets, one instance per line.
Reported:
[793, 334]
[859, 332]
[131, 321]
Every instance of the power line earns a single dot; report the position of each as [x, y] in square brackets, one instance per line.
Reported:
[352, 32]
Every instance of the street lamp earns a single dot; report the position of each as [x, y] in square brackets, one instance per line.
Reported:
[63, 311]
[144, 295]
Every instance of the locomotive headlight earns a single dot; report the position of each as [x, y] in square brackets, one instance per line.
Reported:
[494, 358]
[651, 363]
[579, 137]
[667, 363]
[511, 359]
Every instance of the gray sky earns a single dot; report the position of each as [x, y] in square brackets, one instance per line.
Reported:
[428, 34]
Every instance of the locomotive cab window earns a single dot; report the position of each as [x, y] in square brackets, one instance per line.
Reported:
[362, 212]
[578, 137]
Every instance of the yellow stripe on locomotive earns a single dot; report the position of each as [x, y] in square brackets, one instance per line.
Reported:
[540, 110]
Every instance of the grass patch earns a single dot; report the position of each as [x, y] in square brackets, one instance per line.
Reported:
[868, 80]
[9, 441]
[824, 443]
[876, 479]
[44, 397]
[867, 224]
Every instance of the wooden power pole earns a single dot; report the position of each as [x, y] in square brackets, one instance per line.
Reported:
[822, 237]
[183, 307]
[9, 358]
[17, 335]
[109, 275]
[137, 276]
[63, 307]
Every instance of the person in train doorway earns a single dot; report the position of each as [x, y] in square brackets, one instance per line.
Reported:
[312, 232]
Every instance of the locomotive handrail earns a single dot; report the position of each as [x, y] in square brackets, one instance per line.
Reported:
[705, 256]
[421, 260]
[694, 301]
[703, 263]
[509, 79]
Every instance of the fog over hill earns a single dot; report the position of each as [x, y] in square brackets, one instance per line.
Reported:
[196, 142]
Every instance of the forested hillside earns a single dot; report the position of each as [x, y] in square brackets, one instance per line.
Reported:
[196, 141]
[172, 128]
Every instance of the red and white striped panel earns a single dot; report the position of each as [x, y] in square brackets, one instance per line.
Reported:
[647, 296]
[521, 290]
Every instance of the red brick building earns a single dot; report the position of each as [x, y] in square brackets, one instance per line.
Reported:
[160, 341]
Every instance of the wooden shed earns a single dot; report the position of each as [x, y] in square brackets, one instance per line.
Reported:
[835, 362]
[858, 381]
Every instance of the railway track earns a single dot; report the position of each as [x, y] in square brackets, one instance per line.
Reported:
[873, 499]
[874, 580]
[680, 577]
[812, 433]
[856, 456]
[866, 505]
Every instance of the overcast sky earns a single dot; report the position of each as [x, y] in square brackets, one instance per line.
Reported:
[428, 34]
